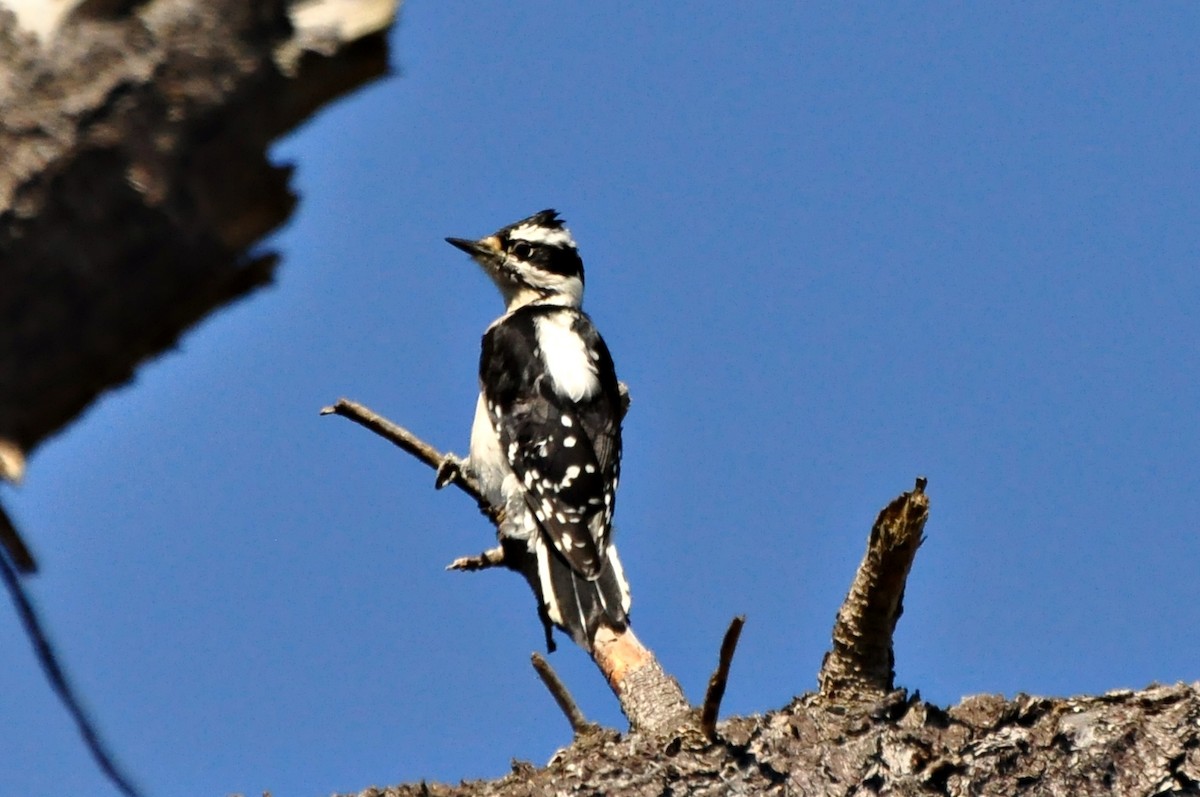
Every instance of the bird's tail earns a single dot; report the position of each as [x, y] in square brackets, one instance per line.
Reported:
[578, 605]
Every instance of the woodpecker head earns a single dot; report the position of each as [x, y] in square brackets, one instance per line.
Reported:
[530, 260]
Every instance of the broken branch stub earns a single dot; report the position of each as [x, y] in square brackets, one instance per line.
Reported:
[720, 678]
[562, 696]
[651, 699]
[860, 666]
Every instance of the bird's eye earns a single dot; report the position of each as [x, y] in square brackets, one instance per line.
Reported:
[522, 250]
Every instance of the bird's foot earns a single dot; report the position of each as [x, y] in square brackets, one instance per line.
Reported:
[450, 469]
[493, 557]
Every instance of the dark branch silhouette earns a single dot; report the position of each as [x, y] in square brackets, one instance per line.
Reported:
[13, 547]
[57, 676]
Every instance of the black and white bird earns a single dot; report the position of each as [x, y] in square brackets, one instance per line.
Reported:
[546, 441]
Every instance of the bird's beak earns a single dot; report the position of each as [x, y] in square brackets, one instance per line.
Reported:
[485, 249]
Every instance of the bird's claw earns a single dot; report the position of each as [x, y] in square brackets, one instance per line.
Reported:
[493, 557]
[449, 470]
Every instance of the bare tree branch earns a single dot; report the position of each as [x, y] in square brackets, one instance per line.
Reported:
[858, 735]
[558, 690]
[136, 183]
[651, 699]
[719, 679]
[860, 665]
[13, 546]
[413, 445]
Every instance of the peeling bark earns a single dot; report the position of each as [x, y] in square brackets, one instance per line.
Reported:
[651, 699]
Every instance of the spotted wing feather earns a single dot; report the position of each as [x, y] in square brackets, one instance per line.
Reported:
[565, 453]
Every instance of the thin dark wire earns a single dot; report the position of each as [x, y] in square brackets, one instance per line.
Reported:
[58, 681]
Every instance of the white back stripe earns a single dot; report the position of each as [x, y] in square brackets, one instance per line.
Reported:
[565, 354]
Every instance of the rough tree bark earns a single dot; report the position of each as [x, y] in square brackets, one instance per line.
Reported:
[861, 665]
[1123, 743]
[135, 179]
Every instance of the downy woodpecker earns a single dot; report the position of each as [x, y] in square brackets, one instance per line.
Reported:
[546, 441]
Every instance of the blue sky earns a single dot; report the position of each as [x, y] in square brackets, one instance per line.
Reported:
[831, 247]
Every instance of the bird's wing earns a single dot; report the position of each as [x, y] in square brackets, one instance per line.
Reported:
[565, 453]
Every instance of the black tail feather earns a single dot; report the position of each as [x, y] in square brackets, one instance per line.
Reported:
[566, 600]
[581, 604]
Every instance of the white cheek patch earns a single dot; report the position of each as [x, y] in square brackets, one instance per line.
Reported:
[565, 355]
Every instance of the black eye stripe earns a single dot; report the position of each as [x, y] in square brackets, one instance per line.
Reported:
[554, 259]
[557, 260]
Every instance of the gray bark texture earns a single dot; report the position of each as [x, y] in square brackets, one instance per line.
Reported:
[1122, 743]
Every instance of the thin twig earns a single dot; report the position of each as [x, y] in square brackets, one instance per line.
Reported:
[412, 444]
[48, 659]
[720, 677]
[558, 690]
